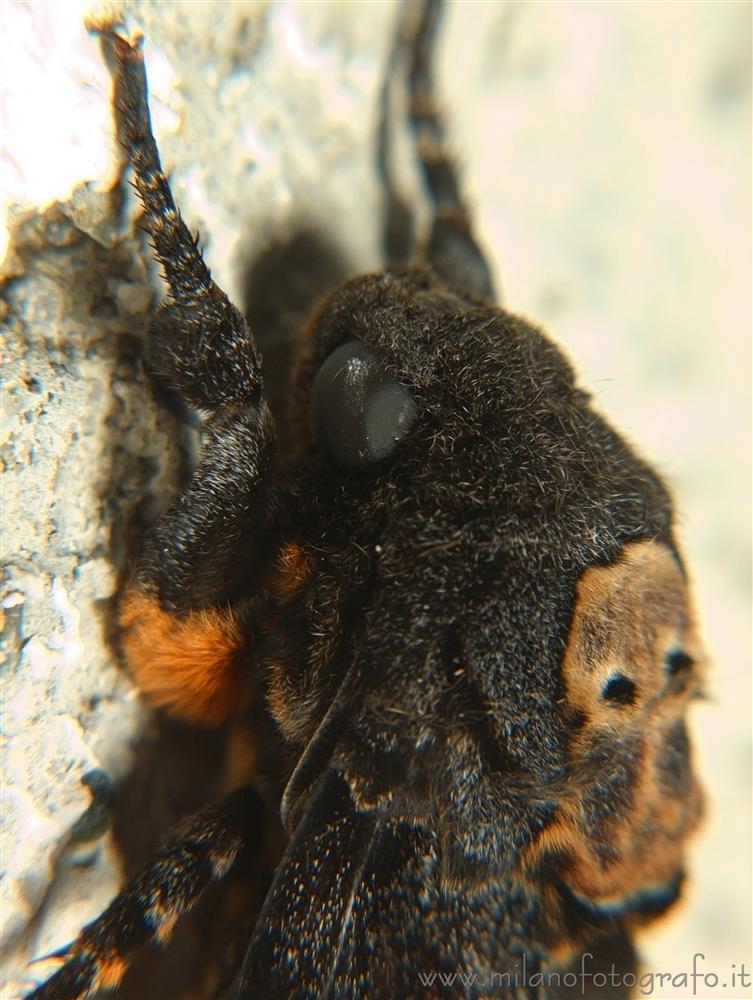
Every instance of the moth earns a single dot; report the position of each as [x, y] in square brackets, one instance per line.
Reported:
[445, 599]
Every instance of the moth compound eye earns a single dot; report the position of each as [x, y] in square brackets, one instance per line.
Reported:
[359, 413]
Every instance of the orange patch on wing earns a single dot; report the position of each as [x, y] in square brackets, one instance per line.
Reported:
[628, 620]
[187, 663]
[648, 855]
[294, 568]
[628, 616]
[110, 971]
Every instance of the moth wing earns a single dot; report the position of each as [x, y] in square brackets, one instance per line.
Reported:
[359, 907]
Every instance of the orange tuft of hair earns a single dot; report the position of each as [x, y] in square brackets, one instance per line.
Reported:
[188, 663]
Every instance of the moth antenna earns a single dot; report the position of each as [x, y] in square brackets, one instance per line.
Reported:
[398, 228]
[452, 249]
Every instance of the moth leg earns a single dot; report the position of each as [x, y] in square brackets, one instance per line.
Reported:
[183, 634]
[452, 249]
[200, 345]
[202, 847]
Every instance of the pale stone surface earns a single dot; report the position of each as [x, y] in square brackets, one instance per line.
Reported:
[607, 153]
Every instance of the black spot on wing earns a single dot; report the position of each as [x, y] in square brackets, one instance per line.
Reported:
[620, 690]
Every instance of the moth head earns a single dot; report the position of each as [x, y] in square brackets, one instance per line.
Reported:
[399, 373]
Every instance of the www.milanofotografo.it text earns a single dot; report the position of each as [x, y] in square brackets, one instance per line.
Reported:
[695, 980]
